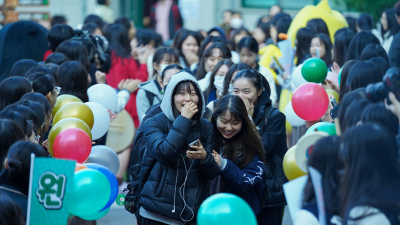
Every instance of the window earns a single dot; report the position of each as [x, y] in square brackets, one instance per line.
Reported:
[259, 3]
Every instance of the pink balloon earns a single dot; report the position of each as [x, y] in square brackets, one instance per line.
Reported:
[310, 101]
[72, 143]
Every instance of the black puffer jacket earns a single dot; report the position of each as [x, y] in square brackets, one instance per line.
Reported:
[273, 133]
[166, 165]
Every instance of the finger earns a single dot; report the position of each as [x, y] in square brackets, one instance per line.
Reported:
[393, 99]
[215, 152]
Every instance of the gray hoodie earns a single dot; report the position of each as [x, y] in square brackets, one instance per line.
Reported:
[166, 104]
[142, 102]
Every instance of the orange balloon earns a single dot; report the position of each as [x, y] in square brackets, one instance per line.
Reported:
[79, 166]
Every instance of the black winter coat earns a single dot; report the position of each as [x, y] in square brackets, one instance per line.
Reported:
[166, 166]
[273, 134]
[394, 51]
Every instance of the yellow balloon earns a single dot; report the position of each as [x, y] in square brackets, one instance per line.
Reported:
[284, 99]
[75, 110]
[333, 93]
[63, 125]
[288, 128]
[290, 167]
[63, 100]
[333, 19]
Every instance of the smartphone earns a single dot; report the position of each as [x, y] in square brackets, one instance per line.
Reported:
[333, 102]
[194, 143]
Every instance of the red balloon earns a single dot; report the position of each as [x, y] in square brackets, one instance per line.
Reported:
[310, 101]
[72, 143]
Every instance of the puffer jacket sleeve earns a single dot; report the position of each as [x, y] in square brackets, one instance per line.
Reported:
[209, 169]
[244, 179]
[166, 148]
[274, 134]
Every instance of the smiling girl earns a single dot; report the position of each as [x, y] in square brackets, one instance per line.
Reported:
[242, 158]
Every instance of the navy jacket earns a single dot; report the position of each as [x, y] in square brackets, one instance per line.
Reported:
[247, 183]
[273, 134]
[394, 51]
[167, 166]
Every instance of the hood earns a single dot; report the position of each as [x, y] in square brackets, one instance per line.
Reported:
[219, 30]
[263, 101]
[175, 80]
[151, 87]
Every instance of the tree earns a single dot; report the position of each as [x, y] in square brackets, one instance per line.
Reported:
[374, 7]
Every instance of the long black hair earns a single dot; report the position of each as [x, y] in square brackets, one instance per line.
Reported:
[75, 51]
[45, 70]
[180, 37]
[28, 113]
[12, 89]
[19, 162]
[346, 102]
[229, 75]
[371, 176]
[353, 113]
[325, 159]
[319, 26]
[365, 22]
[392, 24]
[73, 80]
[304, 37]
[22, 66]
[352, 22]
[57, 58]
[363, 73]
[185, 85]
[381, 63]
[326, 41]
[343, 78]
[41, 83]
[10, 132]
[27, 126]
[225, 54]
[361, 40]
[378, 113]
[118, 39]
[211, 87]
[343, 38]
[39, 98]
[374, 50]
[247, 141]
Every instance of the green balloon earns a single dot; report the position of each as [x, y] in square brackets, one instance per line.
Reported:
[326, 127]
[96, 216]
[314, 70]
[91, 191]
[225, 208]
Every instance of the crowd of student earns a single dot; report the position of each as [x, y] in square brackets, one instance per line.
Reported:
[205, 116]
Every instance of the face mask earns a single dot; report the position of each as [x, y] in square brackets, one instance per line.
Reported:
[219, 83]
[236, 23]
[162, 68]
[230, 90]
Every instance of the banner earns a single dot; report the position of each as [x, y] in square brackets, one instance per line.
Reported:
[50, 187]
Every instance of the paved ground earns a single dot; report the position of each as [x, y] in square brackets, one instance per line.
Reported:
[118, 216]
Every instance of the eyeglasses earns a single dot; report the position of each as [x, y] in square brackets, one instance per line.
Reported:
[57, 89]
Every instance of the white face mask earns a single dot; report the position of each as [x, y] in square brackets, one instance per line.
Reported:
[162, 68]
[219, 83]
[236, 23]
[230, 90]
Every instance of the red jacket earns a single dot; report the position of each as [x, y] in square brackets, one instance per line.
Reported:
[124, 68]
[47, 53]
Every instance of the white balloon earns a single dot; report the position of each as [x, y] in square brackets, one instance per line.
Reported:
[292, 117]
[101, 120]
[105, 156]
[297, 77]
[103, 94]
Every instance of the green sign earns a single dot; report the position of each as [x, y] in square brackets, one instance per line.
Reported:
[49, 191]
